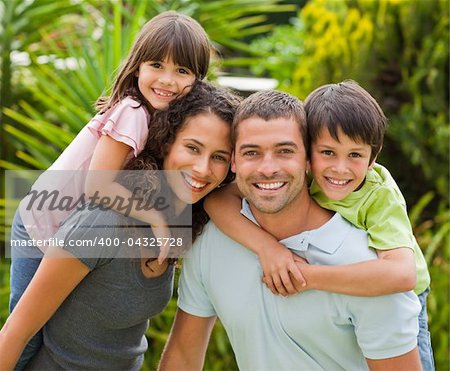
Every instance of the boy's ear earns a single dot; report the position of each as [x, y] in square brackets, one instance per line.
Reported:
[372, 163]
[233, 164]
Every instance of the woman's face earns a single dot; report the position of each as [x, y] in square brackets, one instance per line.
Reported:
[200, 155]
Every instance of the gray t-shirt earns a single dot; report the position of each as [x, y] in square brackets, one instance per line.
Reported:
[101, 325]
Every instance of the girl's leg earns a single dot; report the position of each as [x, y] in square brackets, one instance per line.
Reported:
[424, 339]
[24, 262]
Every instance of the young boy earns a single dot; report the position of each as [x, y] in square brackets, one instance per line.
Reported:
[346, 128]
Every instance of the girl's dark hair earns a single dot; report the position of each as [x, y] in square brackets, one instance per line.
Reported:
[169, 34]
[164, 127]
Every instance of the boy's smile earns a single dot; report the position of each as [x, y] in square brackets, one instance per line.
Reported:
[339, 167]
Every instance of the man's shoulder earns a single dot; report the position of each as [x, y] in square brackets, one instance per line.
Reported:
[210, 232]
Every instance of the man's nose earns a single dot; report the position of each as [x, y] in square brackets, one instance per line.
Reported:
[269, 166]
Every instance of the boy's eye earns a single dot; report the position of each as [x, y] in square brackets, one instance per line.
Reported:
[327, 152]
[355, 155]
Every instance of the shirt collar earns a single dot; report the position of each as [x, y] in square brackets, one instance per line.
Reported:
[327, 238]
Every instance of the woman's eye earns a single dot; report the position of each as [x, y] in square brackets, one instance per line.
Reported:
[220, 158]
[192, 148]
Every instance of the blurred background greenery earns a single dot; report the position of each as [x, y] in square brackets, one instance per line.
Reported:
[58, 56]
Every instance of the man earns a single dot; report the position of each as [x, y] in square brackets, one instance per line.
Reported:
[314, 330]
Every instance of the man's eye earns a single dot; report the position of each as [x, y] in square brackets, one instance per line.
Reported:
[286, 151]
[249, 153]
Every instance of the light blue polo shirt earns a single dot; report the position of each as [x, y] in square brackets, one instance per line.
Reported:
[314, 330]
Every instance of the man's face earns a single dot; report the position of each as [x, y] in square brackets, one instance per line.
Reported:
[270, 163]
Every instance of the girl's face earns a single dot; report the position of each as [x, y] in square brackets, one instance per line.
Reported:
[339, 168]
[201, 155]
[160, 82]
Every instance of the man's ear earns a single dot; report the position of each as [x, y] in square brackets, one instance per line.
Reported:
[308, 166]
[233, 164]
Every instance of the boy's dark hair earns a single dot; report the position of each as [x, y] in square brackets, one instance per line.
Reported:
[346, 106]
[269, 105]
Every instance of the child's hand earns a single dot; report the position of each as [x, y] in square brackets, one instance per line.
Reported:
[281, 273]
[161, 231]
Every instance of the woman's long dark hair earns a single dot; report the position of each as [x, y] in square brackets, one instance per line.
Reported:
[164, 126]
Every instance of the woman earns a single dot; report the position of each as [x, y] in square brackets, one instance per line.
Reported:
[95, 300]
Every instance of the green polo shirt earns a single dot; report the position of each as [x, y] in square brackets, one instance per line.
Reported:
[379, 208]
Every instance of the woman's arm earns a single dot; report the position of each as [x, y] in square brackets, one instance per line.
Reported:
[394, 271]
[57, 276]
[277, 261]
[108, 159]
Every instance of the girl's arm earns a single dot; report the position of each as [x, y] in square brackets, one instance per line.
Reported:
[394, 271]
[277, 261]
[57, 276]
[108, 159]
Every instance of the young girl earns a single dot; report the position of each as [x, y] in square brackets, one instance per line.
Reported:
[345, 128]
[113, 290]
[170, 53]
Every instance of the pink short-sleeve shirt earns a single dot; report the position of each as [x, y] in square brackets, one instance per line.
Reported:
[126, 122]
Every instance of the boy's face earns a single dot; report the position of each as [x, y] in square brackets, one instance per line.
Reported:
[339, 167]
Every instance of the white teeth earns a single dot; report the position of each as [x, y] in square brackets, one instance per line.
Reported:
[193, 183]
[275, 185]
[163, 93]
[338, 182]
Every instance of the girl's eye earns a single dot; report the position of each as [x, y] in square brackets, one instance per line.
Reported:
[155, 64]
[184, 71]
